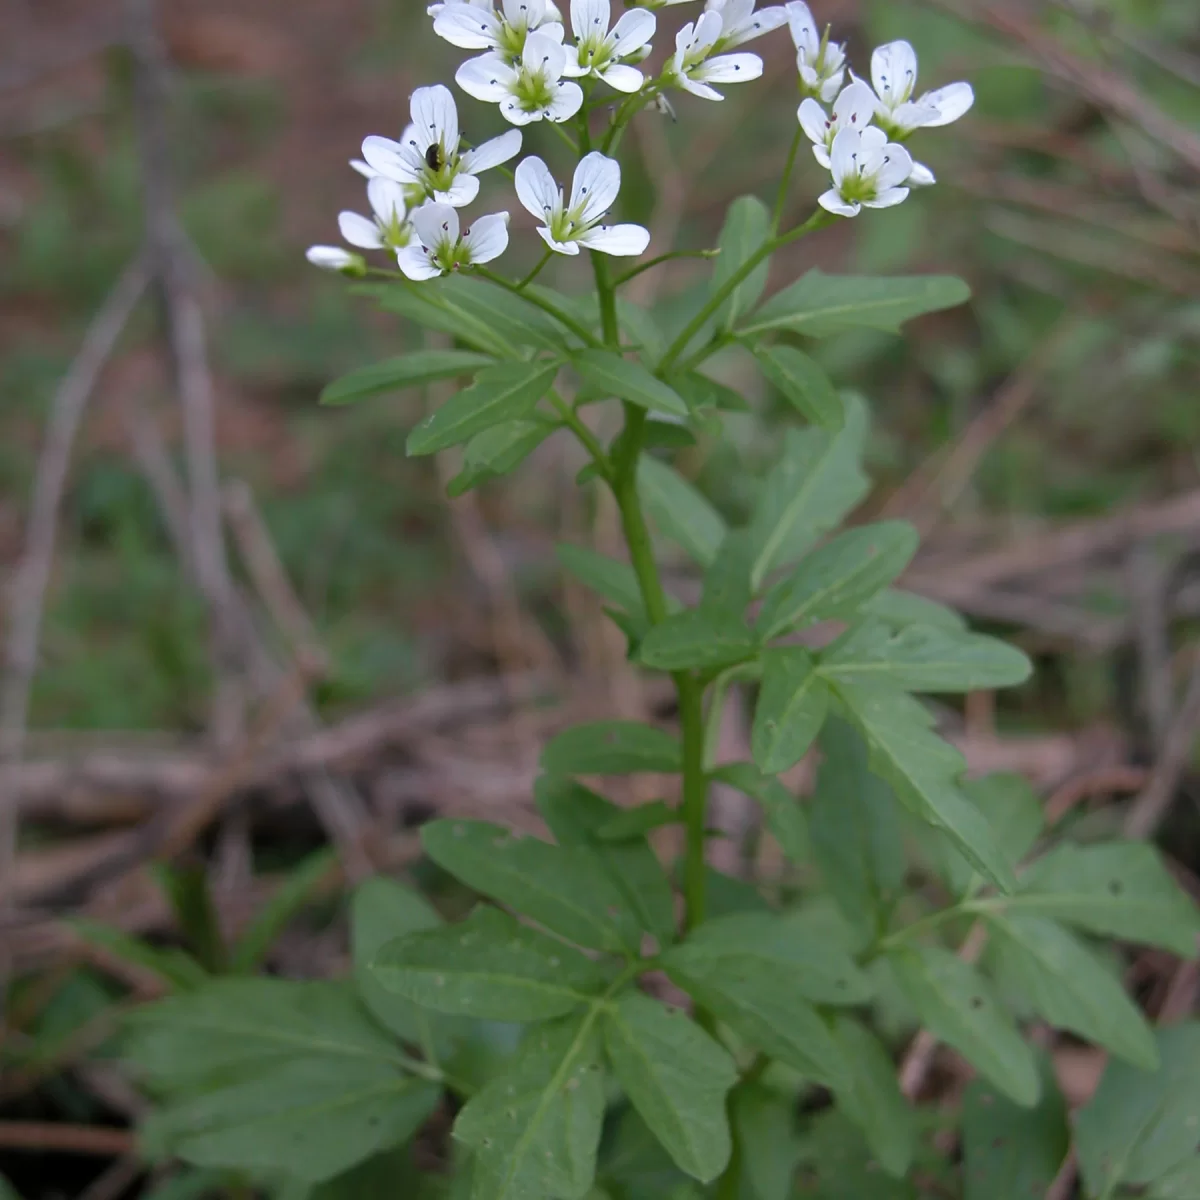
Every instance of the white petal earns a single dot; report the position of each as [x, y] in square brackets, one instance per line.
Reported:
[435, 115]
[632, 31]
[623, 78]
[536, 189]
[571, 248]
[330, 258]
[363, 168]
[855, 107]
[803, 28]
[625, 240]
[488, 78]
[416, 264]
[844, 155]
[951, 102]
[467, 27]
[566, 102]
[462, 190]
[822, 156]
[831, 86]
[897, 167]
[511, 111]
[921, 176]
[596, 186]
[894, 72]
[708, 31]
[435, 223]
[699, 89]
[542, 53]
[832, 202]
[492, 153]
[814, 121]
[753, 24]
[589, 17]
[487, 238]
[553, 30]
[387, 199]
[359, 231]
[888, 199]
[729, 68]
[683, 42]
[872, 141]
[912, 115]
[386, 157]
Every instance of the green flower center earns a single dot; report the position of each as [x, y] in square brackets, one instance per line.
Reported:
[534, 89]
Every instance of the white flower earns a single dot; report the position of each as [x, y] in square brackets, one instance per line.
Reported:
[531, 90]
[334, 258]
[741, 24]
[478, 26]
[388, 227]
[364, 169]
[821, 63]
[894, 74]
[568, 227]
[868, 171]
[692, 68]
[426, 159]
[853, 109]
[440, 248]
[598, 52]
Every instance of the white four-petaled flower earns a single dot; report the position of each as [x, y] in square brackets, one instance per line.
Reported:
[530, 90]
[387, 228]
[741, 24]
[440, 247]
[868, 172]
[334, 258]
[695, 69]
[478, 26]
[568, 227]
[894, 74]
[598, 50]
[853, 109]
[426, 159]
[821, 63]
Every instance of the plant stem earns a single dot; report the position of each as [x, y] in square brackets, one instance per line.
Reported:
[536, 270]
[575, 424]
[817, 221]
[785, 182]
[608, 301]
[547, 306]
[634, 272]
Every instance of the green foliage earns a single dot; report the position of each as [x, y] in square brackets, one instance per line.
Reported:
[409, 370]
[608, 374]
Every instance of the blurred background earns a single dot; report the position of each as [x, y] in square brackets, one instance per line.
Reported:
[250, 643]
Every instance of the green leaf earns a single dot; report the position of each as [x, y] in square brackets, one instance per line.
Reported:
[1012, 1152]
[381, 911]
[1117, 889]
[1182, 1183]
[923, 771]
[873, 1100]
[702, 392]
[923, 658]
[382, 1177]
[697, 640]
[558, 886]
[727, 590]
[784, 815]
[475, 304]
[394, 374]
[612, 748]
[7, 1191]
[955, 1004]
[759, 1006]
[855, 826]
[535, 1130]
[838, 579]
[499, 394]
[817, 481]
[1062, 981]
[500, 450]
[804, 384]
[792, 706]
[611, 375]
[747, 226]
[296, 891]
[488, 966]
[175, 967]
[679, 511]
[765, 1126]
[632, 824]
[844, 1165]
[1141, 1125]
[820, 305]
[780, 952]
[425, 306]
[899, 609]
[311, 1118]
[676, 1077]
[241, 1028]
[578, 817]
[636, 1167]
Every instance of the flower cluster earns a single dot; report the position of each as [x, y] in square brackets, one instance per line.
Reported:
[536, 66]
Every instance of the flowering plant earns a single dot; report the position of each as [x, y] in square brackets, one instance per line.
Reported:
[683, 1035]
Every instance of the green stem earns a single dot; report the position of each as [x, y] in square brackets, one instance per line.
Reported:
[547, 306]
[621, 280]
[566, 137]
[546, 257]
[818, 220]
[608, 301]
[575, 424]
[785, 182]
